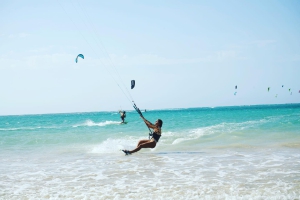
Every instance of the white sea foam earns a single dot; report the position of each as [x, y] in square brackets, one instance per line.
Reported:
[111, 146]
[218, 131]
[191, 135]
[92, 123]
[26, 128]
[115, 145]
[173, 175]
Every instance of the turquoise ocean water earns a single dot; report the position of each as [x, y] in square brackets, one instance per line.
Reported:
[238, 152]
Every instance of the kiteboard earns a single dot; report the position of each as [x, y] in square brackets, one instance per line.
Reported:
[123, 122]
[126, 152]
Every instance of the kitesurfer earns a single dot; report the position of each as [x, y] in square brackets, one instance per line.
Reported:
[123, 115]
[148, 143]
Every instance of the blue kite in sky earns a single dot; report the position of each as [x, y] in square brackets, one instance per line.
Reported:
[79, 55]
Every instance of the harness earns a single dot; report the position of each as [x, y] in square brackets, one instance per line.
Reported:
[155, 136]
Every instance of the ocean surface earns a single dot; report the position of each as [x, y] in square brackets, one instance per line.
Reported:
[240, 152]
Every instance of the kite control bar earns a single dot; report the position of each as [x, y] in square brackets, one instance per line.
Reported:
[140, 113]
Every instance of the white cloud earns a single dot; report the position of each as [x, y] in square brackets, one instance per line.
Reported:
[153, 59]
[19, 35]
[37, 61]
[225, 55]
[64, 60]
[257, 43]
[263, 43]
[292, 58]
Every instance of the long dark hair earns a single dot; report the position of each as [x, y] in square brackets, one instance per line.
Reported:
[160, 122]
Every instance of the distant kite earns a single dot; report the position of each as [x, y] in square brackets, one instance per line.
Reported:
[79, 55]
[289, 89]
[236, 87]
[282, 86]
[268, 89]
[235, 93]
[132, 84]
[276, 95]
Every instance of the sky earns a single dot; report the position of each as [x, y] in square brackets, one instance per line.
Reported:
[181, 54]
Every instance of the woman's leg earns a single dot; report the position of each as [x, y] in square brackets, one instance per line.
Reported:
[141, 142]
[148, 144]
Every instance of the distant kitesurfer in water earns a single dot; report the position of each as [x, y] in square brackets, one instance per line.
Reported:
[148, 143]
[123, 115]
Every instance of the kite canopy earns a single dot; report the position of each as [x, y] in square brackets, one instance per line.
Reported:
[268, 89]
[236, 87]
[132, 84]
[235, 93]
[79, 55]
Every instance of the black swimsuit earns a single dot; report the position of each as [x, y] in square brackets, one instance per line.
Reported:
[155, 136]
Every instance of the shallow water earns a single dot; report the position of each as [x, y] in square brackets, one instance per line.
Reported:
[204, 153]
